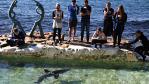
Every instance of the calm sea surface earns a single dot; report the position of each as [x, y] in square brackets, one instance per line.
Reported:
[137, 10]
[29, 74]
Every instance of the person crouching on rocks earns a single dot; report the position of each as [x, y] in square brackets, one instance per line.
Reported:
[17, 39]
[141, 50]
[57, 16]
[99, 38]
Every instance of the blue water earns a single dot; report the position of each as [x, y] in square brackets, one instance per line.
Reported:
[137, 10]
[30, 73]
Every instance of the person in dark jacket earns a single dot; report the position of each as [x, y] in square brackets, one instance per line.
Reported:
[85, 20]
[120, 20]
[145, 44]
[17, 39]
[108, 19]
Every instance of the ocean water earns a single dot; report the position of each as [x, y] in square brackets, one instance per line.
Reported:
[137, 10]
[29, 74]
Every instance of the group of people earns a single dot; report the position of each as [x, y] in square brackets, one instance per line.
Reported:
[114, 23]
[73, 10]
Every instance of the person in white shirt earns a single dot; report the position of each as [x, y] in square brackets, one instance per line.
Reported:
[57, 16]
[99, 38]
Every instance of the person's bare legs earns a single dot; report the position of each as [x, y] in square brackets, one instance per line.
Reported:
[74, 33]
[69, 34]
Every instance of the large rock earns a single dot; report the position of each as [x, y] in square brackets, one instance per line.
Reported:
[71, 52]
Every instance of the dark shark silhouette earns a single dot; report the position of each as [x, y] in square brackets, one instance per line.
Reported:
[48, 73]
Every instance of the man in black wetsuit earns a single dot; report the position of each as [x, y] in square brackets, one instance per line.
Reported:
[145, 44]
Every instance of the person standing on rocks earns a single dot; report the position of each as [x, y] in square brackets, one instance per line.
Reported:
[108, 19]
[120, 20]
[85, 20]
[57, 16]
[73, 10]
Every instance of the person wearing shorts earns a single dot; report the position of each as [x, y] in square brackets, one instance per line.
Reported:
[73, 10]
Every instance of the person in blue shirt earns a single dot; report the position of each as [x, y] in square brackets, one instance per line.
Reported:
[85, 20]
[73, 10]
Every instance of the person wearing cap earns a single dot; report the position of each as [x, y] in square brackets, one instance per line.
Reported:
[17, 39]
[85, 20]
[108, 19]
[57, 16]
[73, 10]
[99, 38]
[145, 44]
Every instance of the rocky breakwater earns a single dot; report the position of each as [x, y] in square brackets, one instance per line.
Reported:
[67, 51]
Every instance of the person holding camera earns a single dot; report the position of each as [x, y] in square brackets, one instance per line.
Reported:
[57, 16]
[108, 19]
[85, 20]
[141, 50]
[73, 11]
